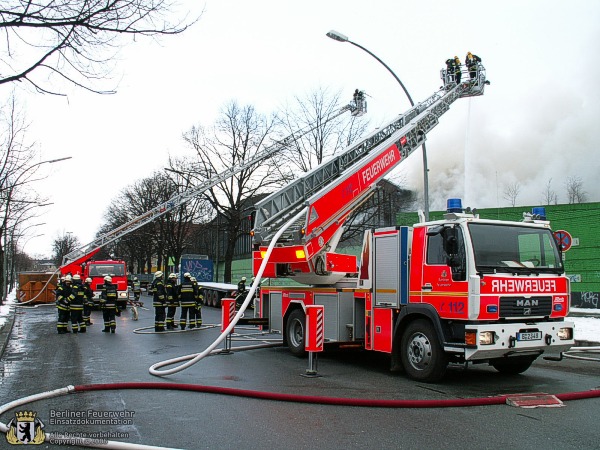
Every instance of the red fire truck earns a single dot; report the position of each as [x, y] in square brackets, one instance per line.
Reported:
[97, 270]
[458, 290]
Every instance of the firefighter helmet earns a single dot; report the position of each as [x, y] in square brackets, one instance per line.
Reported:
[158, 274]
[243, 278]
[135, 279]
[88, 280]
[187, 275]
[76, 277]
[193, 279]
[68, 278]
[108, 278]
[172, 276]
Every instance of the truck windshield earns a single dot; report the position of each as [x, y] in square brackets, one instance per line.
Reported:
[514, 249]
[100, 270]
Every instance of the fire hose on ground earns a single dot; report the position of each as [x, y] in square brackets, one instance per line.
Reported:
[273, 396]
[194, 358]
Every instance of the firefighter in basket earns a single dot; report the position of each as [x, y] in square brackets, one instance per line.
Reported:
[188, 292]
[64, 295]
[172, 292]
[108, 303]
[159, 301]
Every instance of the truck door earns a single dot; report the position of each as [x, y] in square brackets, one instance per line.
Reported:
[443, 282]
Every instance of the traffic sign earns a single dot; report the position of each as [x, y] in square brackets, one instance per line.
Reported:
[564, 239]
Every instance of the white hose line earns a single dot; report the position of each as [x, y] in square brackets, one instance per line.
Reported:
[59, 438]
[32, 398]
[572, 353]
[159, 373]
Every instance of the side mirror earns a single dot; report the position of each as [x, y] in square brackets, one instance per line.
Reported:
[450, 241]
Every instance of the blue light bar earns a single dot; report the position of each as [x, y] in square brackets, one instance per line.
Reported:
[539, 211]
[454, 205]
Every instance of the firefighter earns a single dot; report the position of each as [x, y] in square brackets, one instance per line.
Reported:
[137, 289]
[88, 304]
[77, 304]
[171, 290]
[450, 69]
[64, 295]
[472, 62]
[108, 304]
[457, 71]
[241, 292]
[188, 292]
[199, 302]
[159, 301]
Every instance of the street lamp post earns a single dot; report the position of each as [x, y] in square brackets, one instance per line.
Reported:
[336, 36]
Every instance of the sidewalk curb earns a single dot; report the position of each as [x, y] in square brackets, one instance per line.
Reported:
[6, 329]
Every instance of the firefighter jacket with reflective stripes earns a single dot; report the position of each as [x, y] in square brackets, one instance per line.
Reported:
[199, 296]
[188, 293]
[108, 296]
[89, 294]
[79, 293]
[64, 295]
[137, 286]
[172, 293]
[160, 297]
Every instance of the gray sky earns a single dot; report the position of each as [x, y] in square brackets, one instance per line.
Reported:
[537, 121]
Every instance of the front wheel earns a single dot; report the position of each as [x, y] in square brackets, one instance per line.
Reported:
[421, 353]
[294, 332]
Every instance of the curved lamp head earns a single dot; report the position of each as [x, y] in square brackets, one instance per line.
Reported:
[337, 36]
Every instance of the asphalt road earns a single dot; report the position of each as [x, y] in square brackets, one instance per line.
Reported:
[36, 359]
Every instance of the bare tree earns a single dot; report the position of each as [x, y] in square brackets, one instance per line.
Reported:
[75, 40]
[549, 196]
[318, 109]
[167, 236]
[19, 167]
[575, 192]
[511, 192]
[238, 134]
[63, 244]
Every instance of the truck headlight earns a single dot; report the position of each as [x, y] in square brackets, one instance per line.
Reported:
[487, 338]
[123, 294]
[484, 338]
[565, 333]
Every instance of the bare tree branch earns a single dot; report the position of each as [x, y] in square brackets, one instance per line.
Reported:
[77, 40]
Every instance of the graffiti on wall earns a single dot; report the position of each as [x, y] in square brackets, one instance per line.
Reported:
[201, 269]
[585, 300]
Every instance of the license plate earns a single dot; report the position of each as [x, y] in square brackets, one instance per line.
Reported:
[529, 336]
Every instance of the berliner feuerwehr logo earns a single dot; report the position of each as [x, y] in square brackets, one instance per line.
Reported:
[25, 428]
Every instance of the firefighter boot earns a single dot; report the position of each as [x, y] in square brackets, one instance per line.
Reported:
[106, 330]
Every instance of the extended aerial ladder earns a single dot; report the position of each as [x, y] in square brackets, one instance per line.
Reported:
[357, 107]
[334, 189]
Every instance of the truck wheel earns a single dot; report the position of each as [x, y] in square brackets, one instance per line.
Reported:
[422, 355]
[294, 332]
[218, 297]
[512, 366]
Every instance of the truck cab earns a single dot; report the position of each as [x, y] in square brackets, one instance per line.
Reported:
[117, 269]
